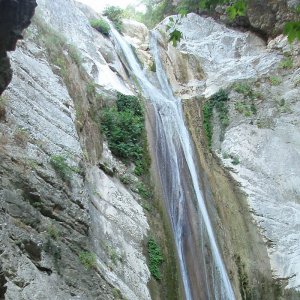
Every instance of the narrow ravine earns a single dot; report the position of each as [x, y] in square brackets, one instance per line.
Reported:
[202, 269]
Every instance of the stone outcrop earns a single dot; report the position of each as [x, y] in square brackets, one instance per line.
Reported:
[15, 16]
[265, 142]
[62, 236]
[268, 17]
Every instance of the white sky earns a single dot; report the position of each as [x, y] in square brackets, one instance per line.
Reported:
[98, 5]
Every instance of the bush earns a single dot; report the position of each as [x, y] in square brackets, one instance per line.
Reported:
[219, 102]
[115, 14]
[155, 258]
[53, 232]
[100, 25]
[61, 166]
[286, 63]
[88, 259]
[124, 128]
[274, 80]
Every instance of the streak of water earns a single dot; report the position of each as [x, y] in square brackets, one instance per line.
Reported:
[174, 153]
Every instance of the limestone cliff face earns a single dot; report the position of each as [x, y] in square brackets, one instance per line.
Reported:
[68, 230]
[14, 18]
[260, 148]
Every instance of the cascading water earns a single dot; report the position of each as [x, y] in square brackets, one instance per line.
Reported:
[203, 272]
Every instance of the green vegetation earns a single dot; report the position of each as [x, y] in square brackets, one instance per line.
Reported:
[219, 102]
[235, 160]
[61, 166]
[292, 30]
[91, 89]
[286, 63]
[243, 108]
[88, 259]
[155, 258]
[53, 232]
[143, 191]
[115, 14]
[266, 122]
[275, 80]
[56, 45]
[125, 179]
[124, 128]
[243, 279]
[2, 108]
[100, 25]
[246, 106]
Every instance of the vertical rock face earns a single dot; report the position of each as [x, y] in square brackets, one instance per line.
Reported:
[263, 144]
[269, 16]
[14, 18]
[68, 230]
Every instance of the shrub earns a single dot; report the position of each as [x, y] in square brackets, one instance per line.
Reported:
[143, 191]
[61, 166]
[124, 128]
[88, 259]
[243, 88]
[235, 160]
[286, 63]
[115, 14]
[274, 80]
[100, 25]
[90, 89]
[155, 258]
[219, 102]
[53, 232]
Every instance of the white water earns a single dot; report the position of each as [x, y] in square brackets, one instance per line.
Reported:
[174, 138]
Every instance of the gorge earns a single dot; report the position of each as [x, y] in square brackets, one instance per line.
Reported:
[220, 202]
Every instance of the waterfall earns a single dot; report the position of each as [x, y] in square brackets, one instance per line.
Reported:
[180, 185]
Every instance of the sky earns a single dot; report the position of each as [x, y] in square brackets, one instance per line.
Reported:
[98, 5]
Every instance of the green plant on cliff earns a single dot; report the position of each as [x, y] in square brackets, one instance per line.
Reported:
[88, 259]
[56, 46]
[124, 128]
[155, 258]
[217, 101]
[61, 166]
[100, 25]
[115, 14]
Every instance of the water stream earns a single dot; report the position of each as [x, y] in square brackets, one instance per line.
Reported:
[202, 269]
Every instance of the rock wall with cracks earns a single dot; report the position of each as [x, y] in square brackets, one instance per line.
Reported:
[265, 142]
[62, 236]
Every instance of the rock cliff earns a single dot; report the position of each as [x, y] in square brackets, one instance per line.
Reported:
[70, 229]
[14, 18]
[258, 143]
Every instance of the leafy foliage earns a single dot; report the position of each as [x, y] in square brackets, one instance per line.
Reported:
[88, 259]
[219, 102]
[115, 14]
[155, 258]
[286, 63]
[237, 9]
[292, 29]
[156, 11]
[101, 25]
[61, 166]
[124, 128]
